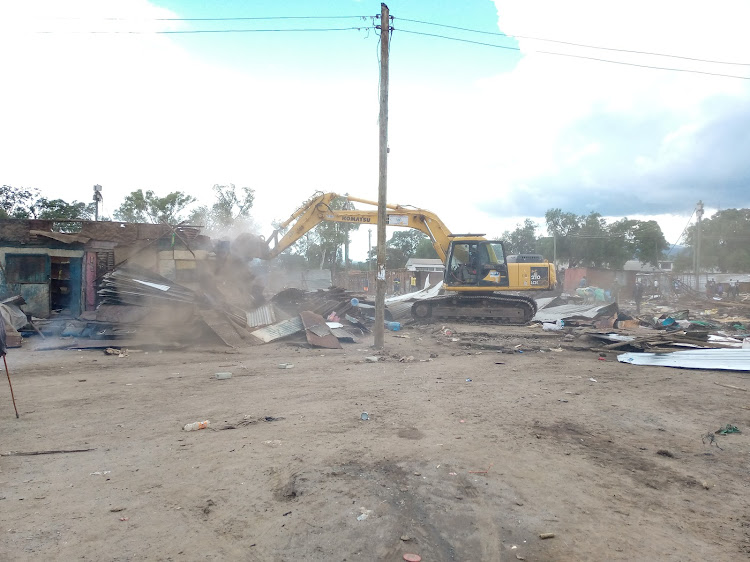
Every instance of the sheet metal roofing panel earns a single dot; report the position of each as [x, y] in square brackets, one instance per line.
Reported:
[416, 295]
[712, 359]
[555, 313]
[400, 310]
[279, 330]
[261, 316]
[543, 302]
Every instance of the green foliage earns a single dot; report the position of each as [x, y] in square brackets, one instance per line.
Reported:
[425, 250]
[45, 208]
[725, 241]
[149, 207]
[16, 202]
[406, 244]
[21, 203]
[587, 240]
[228, 210]
[522, 240]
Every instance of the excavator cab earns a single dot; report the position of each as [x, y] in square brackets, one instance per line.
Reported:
[476, 265]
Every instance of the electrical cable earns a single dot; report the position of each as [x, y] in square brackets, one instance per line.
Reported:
[684, 230]
[197, 31]
[500, 34]
[576, 56]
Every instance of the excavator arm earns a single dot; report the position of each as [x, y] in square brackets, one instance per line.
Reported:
[318, 209]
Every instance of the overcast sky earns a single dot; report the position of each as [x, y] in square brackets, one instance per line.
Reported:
[483, 136]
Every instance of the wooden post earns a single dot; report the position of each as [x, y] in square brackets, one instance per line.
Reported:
[380, 283]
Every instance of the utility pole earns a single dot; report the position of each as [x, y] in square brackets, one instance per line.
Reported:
[97, 199]
[697, 252]
[385, 31]
[554, 249]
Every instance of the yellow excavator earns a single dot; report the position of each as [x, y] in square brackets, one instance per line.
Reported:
[477, 271]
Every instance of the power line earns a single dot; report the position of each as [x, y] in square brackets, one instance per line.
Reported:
[193, 31]
[500, 34]
[575, 56]
[213, 19]
[684, 230]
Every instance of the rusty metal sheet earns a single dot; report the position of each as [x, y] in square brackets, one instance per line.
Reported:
[279, 330]
[315, 325]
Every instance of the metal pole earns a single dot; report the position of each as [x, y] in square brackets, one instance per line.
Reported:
[7, 372]
[385, 30]
[554, 250]
[699, 214]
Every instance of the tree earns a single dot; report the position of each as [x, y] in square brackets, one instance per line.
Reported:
[16, 202]
[44, 208]
[228, 210]
[587, 240]
[149, 207]
[522, 240]
[725, 241]
[26, 203]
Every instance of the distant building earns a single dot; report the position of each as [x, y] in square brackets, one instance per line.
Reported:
[425, 264]
[635, 265]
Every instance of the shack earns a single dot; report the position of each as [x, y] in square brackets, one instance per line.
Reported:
[56, 265]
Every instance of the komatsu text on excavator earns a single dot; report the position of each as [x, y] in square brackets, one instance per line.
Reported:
[478, 279]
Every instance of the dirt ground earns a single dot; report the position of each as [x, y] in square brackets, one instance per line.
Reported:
[446, 468]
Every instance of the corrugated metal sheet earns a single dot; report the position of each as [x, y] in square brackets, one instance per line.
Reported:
[543, 302]
[261, 316]
[400, 306]
[712, 359]
[279, 330]
[555, 313]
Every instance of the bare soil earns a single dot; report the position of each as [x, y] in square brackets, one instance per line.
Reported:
[450, 469]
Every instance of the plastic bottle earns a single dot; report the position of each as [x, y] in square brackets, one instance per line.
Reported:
[393, 326]
[195, 426]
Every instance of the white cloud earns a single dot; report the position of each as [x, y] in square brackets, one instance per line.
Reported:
[139, 111]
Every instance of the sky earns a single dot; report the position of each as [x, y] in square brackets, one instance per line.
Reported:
[94, 92]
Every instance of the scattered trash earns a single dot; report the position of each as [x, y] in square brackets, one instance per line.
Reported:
[223, 376]
[409, 557]
[393, 326]
[362, 517]
[711, 439]
[124, 518]
[373, 359]
[468, 380]
[665, 453]
[546, 535]
[364, 416]
[195, 426]
[728, 429]
[100, 473]
[406, 359]
[365, 513]
[286, 365]
[405, 538]
[117, 509]
[553, 327]
[592, 379]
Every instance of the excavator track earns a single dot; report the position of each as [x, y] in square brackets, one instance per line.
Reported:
[486, 309]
